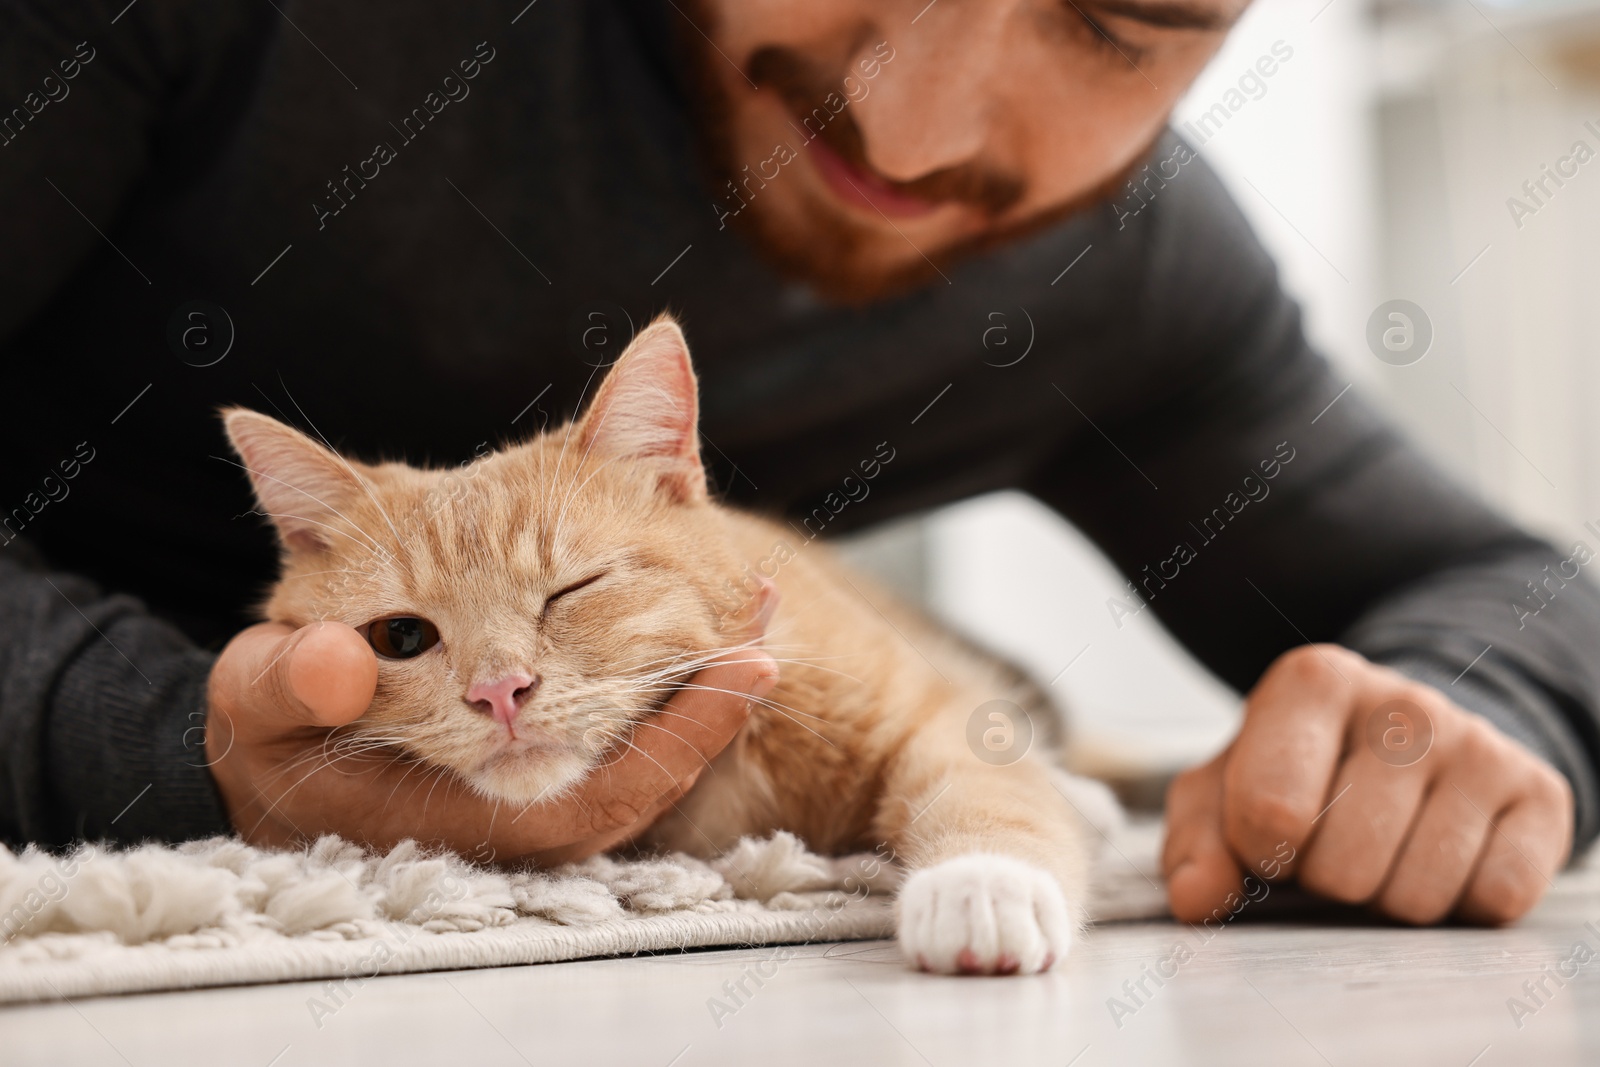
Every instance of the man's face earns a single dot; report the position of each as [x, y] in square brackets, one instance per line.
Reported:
[862, 141]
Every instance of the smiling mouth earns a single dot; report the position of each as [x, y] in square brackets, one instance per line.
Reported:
[863, 189]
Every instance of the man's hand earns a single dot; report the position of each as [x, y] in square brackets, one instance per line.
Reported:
[1379, 788]
[275, 693]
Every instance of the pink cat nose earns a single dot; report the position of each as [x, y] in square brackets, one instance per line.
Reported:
[502, 698]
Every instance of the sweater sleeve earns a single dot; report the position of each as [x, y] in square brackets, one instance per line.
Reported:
[1257, 502]
[101, 704]
[102, 715]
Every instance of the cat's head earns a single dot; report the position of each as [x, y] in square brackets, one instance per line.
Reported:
[529, 607]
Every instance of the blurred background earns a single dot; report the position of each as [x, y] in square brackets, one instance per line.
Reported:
[1386, 159]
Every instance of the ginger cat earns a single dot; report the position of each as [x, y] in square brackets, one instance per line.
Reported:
[532, 610]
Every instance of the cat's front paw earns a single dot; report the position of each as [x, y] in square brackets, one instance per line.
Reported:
[984, 914]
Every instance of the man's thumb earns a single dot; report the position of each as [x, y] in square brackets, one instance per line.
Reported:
[1200, 871]
[323, 674]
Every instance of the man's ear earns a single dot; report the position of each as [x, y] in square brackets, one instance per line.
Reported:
[301, 486]
[647, 410]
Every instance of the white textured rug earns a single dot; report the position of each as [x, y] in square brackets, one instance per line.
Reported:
[219, 912]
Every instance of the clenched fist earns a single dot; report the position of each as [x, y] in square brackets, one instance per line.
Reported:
[1382, 791]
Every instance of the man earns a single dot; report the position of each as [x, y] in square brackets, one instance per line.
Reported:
[421, 228]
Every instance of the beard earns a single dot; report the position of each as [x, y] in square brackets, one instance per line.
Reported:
[837, 256]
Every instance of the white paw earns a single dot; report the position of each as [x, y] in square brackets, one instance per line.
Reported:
[984, 914]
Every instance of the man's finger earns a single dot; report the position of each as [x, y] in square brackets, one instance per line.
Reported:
[693, 727]
[271, 678]
[1437, 859]
[1469, 765]
[1525, 848]
[1362, 827]
[1199, 868]
[1281, 765]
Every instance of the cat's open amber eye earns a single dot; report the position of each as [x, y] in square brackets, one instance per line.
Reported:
[402, 638]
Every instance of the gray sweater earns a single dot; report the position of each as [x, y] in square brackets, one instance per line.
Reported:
[421, 266]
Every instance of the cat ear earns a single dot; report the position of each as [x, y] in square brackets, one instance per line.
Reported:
[647, 409]
[300, 485]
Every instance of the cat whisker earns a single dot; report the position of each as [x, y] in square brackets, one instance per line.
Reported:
[413, 765]
[392, 757]
[710, 655]
[672, 714]
[690, 652]
[390, 748]
[305, 493]
[555, 533]
[817, 667]
[429, 771]
[368, 739]
[683, 661]
[670, 776]
[787, 712]
[314, 522]
[376, 754]
[686, 666]
[320, 753]
[289, 767]
[443, 772]
[399, 542]
[773, 647]
[551, 792]
[347, 747]
[285, 793]
[763, 701]
[312, 574]
[493, 815]
[573, 494]
[677, 737]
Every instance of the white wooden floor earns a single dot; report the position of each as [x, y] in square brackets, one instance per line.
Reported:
[1261, 990]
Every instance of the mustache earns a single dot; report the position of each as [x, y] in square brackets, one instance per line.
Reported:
[803, 84]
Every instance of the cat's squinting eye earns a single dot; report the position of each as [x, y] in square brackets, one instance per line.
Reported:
[573, 588]
[402, 638]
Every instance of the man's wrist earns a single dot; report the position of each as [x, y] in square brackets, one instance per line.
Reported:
[126, 745]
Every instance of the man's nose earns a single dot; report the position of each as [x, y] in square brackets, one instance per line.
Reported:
[503, 697]
[932, 104]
